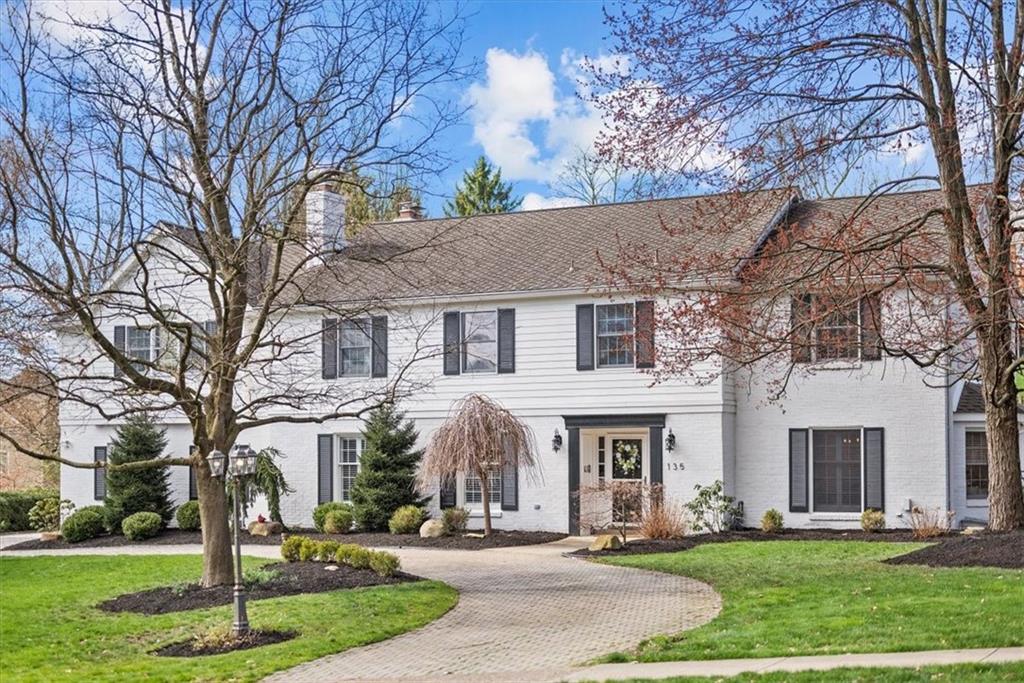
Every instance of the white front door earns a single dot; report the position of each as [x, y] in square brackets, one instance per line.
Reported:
[626, 456]
[608, 456]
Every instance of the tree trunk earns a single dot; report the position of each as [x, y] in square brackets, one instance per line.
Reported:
[213, 514]
[1005, 495]
[485, 496]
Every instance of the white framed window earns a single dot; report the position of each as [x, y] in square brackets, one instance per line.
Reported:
[976, 464]
[480, 341]
[837, 466]
[354, 342]
[142, 343]
[614, 330]
[474, 492]
[837, 336]
[350, 449]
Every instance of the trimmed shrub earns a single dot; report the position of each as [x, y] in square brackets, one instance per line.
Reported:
[188, 516]
[771, 521]
[308, 550]
[872, 520]
[320, 512]
[406, 520]
[83, 524]
[455, 520]
[384, 563]
[359, 558]
[387, 469]
[45, 515]
[343, 555]
[141, 490]
[15, 506]
[327, 550]
[142, 525]
[338, 522]
[290, 548]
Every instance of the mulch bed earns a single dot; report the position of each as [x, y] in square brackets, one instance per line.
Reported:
[985, 549]
[497, 539]
[293, 578]
[190, 648]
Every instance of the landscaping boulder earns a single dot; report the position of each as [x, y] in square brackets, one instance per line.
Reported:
[432, 528]
[265, 528]
[606, 542]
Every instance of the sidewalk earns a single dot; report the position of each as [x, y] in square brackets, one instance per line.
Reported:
[733, 667]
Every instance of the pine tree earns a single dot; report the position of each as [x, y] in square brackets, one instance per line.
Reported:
[142, 490]
[482, 191]
[387, 469]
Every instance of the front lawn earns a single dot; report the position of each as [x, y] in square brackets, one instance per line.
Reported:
[50, 629]
[976, 673]
[828, 597]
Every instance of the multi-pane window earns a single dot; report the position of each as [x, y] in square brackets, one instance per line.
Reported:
[474, 492]
[976, 457]
[354, 348]
[349, 450]
[837, 335]
[837, 470]
[614, 335]
[480, 341]
[142, 343]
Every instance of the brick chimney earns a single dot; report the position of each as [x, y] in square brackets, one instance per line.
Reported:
[325, 219]
[409, 211]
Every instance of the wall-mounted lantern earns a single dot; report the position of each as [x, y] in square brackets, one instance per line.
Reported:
[556, 441]
[670, 441]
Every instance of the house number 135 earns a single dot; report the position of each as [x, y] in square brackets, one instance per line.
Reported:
[675, 466]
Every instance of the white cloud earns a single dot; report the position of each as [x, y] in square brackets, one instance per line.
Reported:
[533, 201]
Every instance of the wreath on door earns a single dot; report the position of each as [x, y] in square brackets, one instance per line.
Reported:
[627, 458]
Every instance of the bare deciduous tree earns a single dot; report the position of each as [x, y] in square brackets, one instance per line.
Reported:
[221, 121]
[711, 85]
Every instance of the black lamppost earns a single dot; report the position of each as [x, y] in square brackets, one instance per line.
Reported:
[242, 464]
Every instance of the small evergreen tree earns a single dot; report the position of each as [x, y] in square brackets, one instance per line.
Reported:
[387, 469]
[482, 191]
[141, 490]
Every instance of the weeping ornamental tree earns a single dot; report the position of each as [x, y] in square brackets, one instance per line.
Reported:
[219, 122]
[479, 437]
[746, 96]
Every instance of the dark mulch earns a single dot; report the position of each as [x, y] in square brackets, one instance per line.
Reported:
[293, 578]
[191, 648]
[497, 539]
[988, 549]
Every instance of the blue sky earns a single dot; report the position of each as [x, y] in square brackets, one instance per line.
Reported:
[524, 113]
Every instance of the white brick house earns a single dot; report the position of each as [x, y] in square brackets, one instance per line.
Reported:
[509, 308]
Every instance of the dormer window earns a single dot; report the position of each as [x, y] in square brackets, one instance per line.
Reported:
[825, 328]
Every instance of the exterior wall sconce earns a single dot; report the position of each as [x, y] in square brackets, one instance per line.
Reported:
[670, 441]
[556, 441]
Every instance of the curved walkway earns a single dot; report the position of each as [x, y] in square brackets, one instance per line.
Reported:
[525, 613]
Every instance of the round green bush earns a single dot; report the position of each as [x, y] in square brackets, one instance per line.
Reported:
[872, 520]
[320, 512]
[771, 522]
[84, 524]
[45, 515]
[455, 520]
[141, 525]
[328, 550]
[384, 563]
[338, 522]
[406, 520]
[309, 550]
[291, 546]
[188, 516]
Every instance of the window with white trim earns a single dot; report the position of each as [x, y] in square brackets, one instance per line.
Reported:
[614, 329]
[354, 342]
[976, 464]
[480, 341]
[837, 336]
[836, 466]
[142, 343]
[350, 449]
[474, 492]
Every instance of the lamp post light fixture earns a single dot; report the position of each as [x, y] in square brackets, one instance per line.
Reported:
[241, 464]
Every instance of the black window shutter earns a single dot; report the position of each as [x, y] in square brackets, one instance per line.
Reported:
[452, 343]
[446, 494]
[379, 362]
[800, 327]
[329, 348]
[99, 475]
[509, 486]
[119, 345]
[798, 470]
[870, 330]
[324, 468]
[874, 468]
[585, 337]
[643, 331]
[506, 340]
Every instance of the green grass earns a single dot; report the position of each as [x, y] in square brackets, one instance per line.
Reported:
[976, 673]
[828, 597]
[50, 629]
